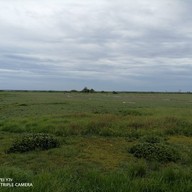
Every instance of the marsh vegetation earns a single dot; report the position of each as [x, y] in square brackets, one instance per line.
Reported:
[101, 142]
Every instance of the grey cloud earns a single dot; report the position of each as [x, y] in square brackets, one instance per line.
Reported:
[90, 42]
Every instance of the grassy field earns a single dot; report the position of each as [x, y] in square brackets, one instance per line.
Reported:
[126, 142]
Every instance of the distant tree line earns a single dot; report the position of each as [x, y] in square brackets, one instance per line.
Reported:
[86, 90]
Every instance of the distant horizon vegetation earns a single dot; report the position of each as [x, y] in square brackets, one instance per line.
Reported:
[91, 90]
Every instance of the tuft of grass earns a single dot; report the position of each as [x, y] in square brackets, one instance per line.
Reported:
[137, 125]
[138, 170]
[152, 139]
[12, 127]
[176, 126]
[95, 127]
[133, 135]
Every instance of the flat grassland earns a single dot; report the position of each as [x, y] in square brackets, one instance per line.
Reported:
[128, 142]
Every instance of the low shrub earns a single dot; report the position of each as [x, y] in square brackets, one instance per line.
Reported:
[32, 142]
[155, 151]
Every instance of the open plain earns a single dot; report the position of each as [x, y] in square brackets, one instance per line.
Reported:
[122, 142]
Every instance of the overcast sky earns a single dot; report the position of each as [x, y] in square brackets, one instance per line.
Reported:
[131, 45]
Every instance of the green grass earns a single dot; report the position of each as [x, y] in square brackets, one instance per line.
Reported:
[96, 131]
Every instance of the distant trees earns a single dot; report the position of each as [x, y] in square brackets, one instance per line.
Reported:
[86, 90]
[73, 90]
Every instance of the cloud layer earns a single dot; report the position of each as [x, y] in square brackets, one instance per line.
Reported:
[126, 45]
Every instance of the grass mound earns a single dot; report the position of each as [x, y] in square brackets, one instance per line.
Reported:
[155, 151]
[32, 142]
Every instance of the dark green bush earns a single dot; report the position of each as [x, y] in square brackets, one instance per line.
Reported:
[155, 151]
[32, 142]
